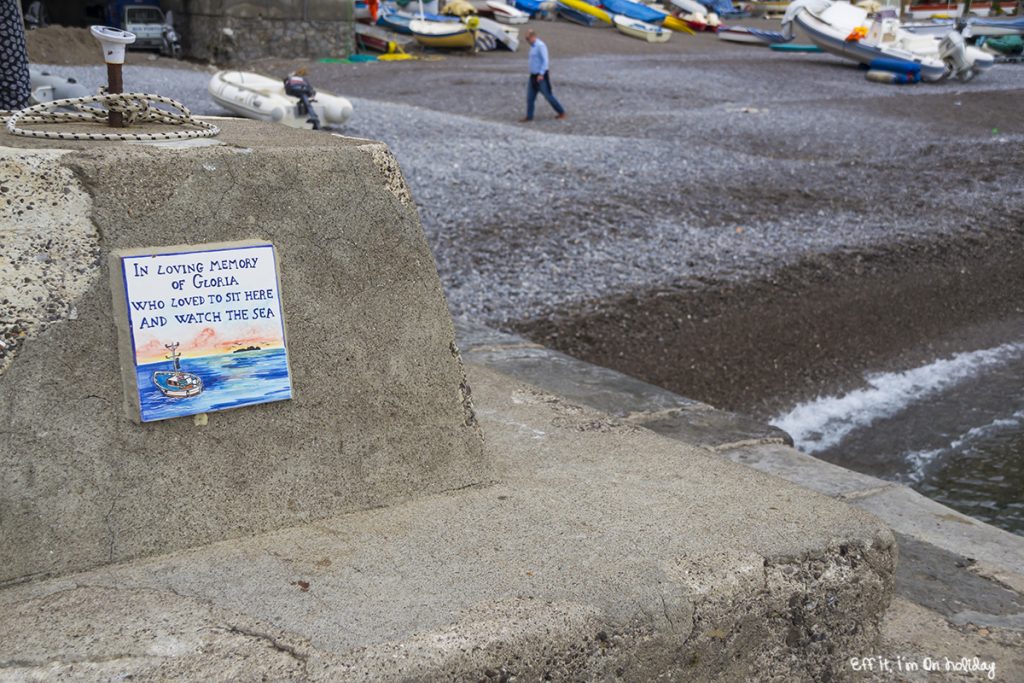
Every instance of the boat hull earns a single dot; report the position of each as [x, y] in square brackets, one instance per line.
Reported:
[740, 35]
[575, 16]
[825, 37]
[587, 8]
[635, 28]
[677, 24]
[178, 384]
[505, 36]
[442, 35]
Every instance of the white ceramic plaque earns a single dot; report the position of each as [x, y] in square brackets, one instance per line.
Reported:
[206, 328]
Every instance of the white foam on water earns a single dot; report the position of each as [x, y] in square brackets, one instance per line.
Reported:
[919, 460]
[823, 423]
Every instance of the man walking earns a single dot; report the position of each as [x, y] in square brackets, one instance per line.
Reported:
[539, 78]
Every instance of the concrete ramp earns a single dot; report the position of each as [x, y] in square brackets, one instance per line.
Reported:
[381, 410]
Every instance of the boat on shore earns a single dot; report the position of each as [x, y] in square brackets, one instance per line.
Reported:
[586, 8]
[838, 28]
[443, 34]
[688, 6]
[575, 16]
[507, 14]
[950, 9]
[379, 39]
[750, 36]
[635, 28]
[262, 98]
[530, 7]
[702, 22]
[676, 24]
[635, 10]
[504, 35]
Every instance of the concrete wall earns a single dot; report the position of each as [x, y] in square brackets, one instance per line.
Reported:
[264, 28]
[381, 410]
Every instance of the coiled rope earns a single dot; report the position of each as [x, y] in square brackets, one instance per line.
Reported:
[134, 106]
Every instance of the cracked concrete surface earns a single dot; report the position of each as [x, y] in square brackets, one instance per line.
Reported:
[603, 550]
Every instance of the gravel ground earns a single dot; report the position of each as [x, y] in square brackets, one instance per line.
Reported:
[697, 163]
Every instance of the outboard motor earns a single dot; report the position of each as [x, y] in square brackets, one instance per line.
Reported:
[297, 86]
[953, 51]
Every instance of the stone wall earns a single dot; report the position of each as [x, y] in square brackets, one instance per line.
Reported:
[226, 31]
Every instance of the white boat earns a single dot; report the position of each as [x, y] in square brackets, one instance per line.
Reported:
[689, 6]
[259, 97]
[641, 29]
[506, 36]
[507, 14]
[835, 27]
[443, 34]
[47, 87]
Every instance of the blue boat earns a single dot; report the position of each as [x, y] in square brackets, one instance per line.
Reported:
[575, 16]
[394, 20]
[634, 10]
[398, 21]
[177, 383]
[529, 6]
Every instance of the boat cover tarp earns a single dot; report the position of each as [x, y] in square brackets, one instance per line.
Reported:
[1006, 45]
[529, 6]
[634, 10]
[722, 8]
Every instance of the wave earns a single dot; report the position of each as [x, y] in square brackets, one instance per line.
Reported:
[920, 460]
[823, 423]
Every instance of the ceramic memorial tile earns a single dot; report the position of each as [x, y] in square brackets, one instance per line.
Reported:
[201, 328]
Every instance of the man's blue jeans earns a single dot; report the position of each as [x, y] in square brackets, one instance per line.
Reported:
[545, 89]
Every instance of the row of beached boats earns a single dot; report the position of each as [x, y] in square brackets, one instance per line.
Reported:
[893, 51]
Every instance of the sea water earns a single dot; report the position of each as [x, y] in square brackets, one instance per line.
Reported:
[229, 381]
[952, 429]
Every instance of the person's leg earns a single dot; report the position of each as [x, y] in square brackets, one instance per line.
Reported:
[545, 88]
[531, 98]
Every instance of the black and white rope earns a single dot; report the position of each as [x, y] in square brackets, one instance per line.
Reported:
[134, 106]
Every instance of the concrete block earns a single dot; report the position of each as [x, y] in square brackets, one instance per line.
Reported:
[603, 552]
[381, 409]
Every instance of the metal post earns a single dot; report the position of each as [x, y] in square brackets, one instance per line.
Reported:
[115, 86]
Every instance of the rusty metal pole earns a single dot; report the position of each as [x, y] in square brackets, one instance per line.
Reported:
[115, 86]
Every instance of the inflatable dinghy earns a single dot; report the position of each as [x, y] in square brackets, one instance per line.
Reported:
[262, 98]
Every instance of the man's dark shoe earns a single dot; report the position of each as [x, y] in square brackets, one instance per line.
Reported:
[561, 116]
[525, 120]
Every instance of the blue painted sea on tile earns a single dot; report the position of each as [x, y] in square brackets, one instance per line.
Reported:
[229, 381]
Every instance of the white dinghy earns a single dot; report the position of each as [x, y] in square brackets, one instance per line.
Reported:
[259, 97]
